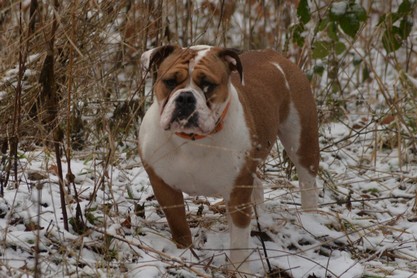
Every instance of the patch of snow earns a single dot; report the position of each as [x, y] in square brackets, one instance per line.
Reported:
[339, 8]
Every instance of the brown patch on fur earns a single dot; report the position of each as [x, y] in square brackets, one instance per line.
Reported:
[175, 66]
[309, 151]
[213, 69]
[267, 103]
[172, 203]
[240, 202]
[303, 98]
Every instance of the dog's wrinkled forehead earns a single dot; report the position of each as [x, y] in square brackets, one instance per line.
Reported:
[170, 55]
[200, 52]
[189, 54]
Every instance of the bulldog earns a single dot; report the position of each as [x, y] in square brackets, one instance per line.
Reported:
[215, 117]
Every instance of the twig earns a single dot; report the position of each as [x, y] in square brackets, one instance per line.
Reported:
[261, 239]
[353, 201]
[57, 139]
[38, 272]
[70, 175]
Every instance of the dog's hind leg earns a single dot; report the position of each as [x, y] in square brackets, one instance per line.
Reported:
[299, 136]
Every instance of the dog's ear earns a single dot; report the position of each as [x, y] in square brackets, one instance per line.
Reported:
[155, 56]
[231, 57]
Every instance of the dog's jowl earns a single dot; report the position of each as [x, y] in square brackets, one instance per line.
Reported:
[215, 116]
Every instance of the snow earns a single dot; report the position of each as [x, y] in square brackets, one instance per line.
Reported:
[339, 8]
[302, 243]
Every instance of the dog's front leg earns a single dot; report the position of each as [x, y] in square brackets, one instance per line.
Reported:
[172, 203]
[239, 208]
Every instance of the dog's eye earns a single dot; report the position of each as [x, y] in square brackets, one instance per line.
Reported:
[170, 83]
[207, 86]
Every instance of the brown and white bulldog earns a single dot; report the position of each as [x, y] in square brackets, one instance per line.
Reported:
[214, 119]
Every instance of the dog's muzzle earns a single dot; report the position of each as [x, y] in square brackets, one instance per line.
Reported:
[185, 110]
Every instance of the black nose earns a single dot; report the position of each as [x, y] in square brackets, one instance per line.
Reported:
[185, 99]
[185, 104]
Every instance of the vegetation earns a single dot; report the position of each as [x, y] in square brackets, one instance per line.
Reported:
[71, 87]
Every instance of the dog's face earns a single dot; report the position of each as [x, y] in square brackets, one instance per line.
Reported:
[192, 85]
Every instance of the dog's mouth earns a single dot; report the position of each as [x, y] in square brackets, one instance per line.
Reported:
[185, 118]
[187, 124]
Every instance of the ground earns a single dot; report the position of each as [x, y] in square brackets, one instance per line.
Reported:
[365, 227]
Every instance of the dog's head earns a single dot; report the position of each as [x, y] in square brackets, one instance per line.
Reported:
[192, 85]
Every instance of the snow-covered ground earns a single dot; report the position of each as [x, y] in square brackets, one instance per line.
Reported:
[365, 225]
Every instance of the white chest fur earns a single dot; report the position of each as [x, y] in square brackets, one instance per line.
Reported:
[207, 166]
